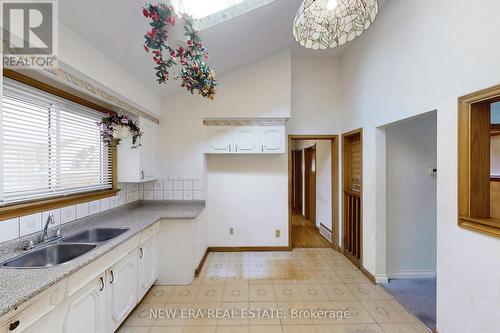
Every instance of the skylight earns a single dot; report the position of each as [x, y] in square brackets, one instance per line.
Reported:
[212, 12]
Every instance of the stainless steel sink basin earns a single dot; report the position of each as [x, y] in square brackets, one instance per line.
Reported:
[50, 255]
[97, 235]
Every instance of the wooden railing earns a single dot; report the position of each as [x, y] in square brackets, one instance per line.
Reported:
[352, 223]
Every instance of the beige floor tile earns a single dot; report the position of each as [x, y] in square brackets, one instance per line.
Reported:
[327, 277]
[204, 314]
[290, 309]
[368, 292]
[199, 329]
[398, 328]
[372, 328]
[210, 293]
[220, 256]
[235, 314]
[318, 265]
[383, 312]
[141, 316]
[298, 329]
[158, 295]
[354, 310]
[237, 292]
[175, 315]
[339, 292]
[184, 294]
[313, 292]
[287, 292]
[306, 277]
[259, 278]
[262, 293]
[265, 313]
[265, 329]
[350, 277]
[124, 329]
[233, 329]
[160, 329]
[214, 279]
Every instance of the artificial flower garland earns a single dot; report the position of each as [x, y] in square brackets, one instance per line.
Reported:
[195, 74]
[111, 122]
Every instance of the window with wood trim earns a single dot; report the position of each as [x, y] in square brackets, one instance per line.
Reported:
[51, 151]
[479, 161]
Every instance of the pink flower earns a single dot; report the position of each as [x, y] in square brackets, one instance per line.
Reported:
[171, 19]
[172, 54]
[146, 48]
[190, 42]
[145, 12]
[181, 50]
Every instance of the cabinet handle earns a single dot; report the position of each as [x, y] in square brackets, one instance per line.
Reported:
[142, 175]
[14, 325]
[142, 253]
[112, 277]
[102, 284]
[262, 148]
[236, 147]
[229, 147]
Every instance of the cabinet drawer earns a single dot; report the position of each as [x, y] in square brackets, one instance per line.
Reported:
[28, 317]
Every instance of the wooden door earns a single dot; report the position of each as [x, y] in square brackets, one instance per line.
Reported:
[297, 181]
[310, 183]
[352, 166]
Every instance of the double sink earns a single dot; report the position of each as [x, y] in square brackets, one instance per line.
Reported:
[65, 249]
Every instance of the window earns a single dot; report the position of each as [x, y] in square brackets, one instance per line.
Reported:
[50, 147]
[479, 162]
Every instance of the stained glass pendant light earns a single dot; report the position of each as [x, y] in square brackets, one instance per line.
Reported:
[322, 24]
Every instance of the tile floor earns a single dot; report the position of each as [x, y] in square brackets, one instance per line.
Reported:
[275, 285]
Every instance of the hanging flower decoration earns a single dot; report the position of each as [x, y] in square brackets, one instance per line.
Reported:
[195, 74]
[113, 123]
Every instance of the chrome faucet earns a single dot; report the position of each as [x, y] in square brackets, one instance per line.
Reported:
[50, 220]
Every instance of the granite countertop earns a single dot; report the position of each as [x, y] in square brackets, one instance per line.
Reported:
[19, 285]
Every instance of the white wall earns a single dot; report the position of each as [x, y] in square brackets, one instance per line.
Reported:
[411, 198]
[84, 57]
[247, 193]
[420, 56]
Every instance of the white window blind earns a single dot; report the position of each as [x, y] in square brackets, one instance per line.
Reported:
[49, 146]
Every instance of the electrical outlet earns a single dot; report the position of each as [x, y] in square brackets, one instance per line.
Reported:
[231, 231]
[278, 233]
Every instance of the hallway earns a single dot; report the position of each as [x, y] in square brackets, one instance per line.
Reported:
[302, 279]
[306, 235]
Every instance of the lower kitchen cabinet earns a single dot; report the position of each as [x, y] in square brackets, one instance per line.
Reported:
[86, 309]
[147, 270]
[121, 294]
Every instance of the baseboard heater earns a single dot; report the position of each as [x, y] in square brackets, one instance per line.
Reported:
[325, 232]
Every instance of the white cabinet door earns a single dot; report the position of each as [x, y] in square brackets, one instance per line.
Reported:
[139, 164]
[121, 290]
[246, 140]
[147, 270]
[86, 309]
[220, 140]
[273, 139]
[149, 150]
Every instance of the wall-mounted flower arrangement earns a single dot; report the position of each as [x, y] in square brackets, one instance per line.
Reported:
[187, 55]
[115, 127]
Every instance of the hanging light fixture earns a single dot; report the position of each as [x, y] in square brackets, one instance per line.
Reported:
[322, 24]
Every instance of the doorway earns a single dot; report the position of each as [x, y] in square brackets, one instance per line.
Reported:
[352, 166]
[411, 215]
[313, 191]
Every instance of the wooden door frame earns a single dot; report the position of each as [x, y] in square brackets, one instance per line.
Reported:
[334, 139]
[309, 209]
[359, 132]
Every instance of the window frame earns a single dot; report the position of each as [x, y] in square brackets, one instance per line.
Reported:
[473, 196]
[44, 204]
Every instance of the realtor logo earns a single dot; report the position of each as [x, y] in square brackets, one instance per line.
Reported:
[29, 33]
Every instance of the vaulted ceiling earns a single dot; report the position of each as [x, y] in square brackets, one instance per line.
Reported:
[117, 27]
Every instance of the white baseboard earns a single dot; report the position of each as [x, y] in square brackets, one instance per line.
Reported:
[412, 274]
[381, 278]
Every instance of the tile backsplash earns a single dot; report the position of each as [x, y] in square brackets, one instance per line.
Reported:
[172, 188]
